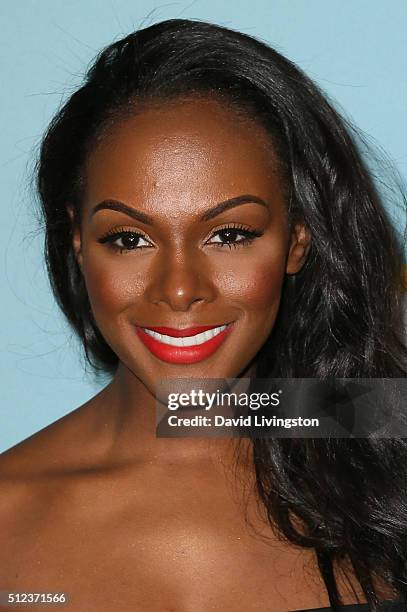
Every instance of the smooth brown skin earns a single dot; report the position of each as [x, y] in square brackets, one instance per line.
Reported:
[95, 505]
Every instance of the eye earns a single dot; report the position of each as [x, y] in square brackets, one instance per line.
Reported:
[125, 240]
[234, 236]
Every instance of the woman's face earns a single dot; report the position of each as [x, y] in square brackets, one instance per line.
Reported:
[184, 225]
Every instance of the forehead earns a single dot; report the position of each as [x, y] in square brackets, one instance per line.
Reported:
[181, 152]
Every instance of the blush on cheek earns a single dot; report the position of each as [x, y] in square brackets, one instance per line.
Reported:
[267, 285]
[111, 292]
[257, 287]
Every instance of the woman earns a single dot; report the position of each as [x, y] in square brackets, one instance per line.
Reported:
[200, 181]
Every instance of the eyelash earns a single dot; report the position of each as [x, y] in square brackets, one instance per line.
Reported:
[113, 235]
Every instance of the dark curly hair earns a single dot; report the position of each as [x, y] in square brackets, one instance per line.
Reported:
[340, 316]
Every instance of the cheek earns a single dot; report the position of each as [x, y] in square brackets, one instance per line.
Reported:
[112, 286]
[255, 285]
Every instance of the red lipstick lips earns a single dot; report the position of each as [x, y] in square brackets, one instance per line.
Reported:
[198, 344]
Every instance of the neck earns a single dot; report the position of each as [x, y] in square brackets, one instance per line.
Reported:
[130, 423]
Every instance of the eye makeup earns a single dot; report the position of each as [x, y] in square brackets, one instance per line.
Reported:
[227, 235]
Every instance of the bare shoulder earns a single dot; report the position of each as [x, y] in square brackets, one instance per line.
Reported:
[63, 447]
[58, 446]
[37, 480]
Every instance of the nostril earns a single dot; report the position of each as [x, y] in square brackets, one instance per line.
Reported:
[180, 288]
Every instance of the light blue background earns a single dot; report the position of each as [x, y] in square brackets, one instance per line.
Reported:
[355, 49]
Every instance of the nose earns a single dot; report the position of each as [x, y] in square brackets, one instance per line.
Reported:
[180, 281]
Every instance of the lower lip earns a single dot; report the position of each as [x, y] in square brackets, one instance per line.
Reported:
[183, 354]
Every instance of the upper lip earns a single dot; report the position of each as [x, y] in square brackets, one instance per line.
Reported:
[185, 331]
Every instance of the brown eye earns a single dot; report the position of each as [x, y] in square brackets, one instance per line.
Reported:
[234, 236]
[126, 241]
[230, 235]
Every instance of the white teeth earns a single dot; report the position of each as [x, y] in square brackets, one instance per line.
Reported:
[186, 340]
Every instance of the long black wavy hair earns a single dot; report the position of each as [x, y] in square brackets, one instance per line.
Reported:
[340, 316]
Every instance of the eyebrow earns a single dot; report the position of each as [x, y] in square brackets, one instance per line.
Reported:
[206, 216]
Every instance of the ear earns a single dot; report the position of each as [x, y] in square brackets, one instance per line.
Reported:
[299, 247]
[76, 235]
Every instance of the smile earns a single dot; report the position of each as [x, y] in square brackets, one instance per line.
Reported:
[183, 346]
